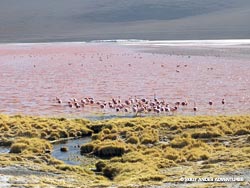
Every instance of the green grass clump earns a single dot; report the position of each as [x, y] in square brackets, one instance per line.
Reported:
[63, 134]
[106, 131]
[242, 131]
[195, 154]
[248, 139]
[149, 136]
[133, 157]
[133, 140]
[96, 136]
[110, 137]
[54, 136]
[156, 178]
[105, 149]
[46, 128]
[18, 147]
[69, 168]
[110, 149]
[96, 128]
[205, 134]
[110, 172]
[100, 166]
[172, 154]
[30, 145]
[129, 124]
[180, 142]
[87, 148]
[135, 172]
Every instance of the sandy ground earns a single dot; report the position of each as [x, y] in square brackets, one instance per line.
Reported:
[19, 176]
[245, 174]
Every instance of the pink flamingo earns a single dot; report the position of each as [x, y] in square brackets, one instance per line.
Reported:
[195, 107]
[223, 101]
[210, 103]
[58, 100]
[70, 104]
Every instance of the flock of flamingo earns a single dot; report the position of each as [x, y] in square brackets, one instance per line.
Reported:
[134, 105]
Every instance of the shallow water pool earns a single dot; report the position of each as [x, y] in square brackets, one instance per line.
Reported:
[72, 156]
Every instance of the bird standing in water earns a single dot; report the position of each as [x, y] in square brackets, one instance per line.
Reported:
[195, 108]
[223, 101]
[210, 103]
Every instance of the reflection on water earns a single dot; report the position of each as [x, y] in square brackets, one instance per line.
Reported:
[72, 156]
[4, 149]
[31, 76]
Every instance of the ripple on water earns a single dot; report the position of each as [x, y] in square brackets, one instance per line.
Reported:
[73, 155]
[60, 72]
[4, 150]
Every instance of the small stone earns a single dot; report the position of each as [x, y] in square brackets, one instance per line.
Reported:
[64, 149]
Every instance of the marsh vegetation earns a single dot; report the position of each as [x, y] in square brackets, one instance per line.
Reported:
[130, 152]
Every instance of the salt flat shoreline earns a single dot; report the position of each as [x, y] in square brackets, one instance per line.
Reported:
[217, 42]
[233, 48]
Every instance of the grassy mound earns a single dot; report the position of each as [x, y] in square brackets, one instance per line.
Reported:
[154, 144]
[138, 151]
[36, 127]
[32, 145]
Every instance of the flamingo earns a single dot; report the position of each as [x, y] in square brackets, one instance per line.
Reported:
[173, 109]
[83, 101]
[140, 110]
[157, 110]
[195, 107]
[114, 101]
[134, 109]
[70, 104]
[184, 103]
[77, 105]
[167, 109]
[127, 102]
[91, 101]
[58, 100]
[149, 109]
[223, 101]
[177, 103]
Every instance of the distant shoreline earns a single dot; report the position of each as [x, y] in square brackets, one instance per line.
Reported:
[203, 42]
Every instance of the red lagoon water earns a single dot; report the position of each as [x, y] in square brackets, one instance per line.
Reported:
[33, 75]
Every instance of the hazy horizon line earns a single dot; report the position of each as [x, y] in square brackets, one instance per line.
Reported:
[142, 42]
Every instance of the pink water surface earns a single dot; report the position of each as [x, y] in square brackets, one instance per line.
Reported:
[32, 75]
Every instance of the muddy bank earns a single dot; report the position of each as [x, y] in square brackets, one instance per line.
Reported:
[23, 176]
